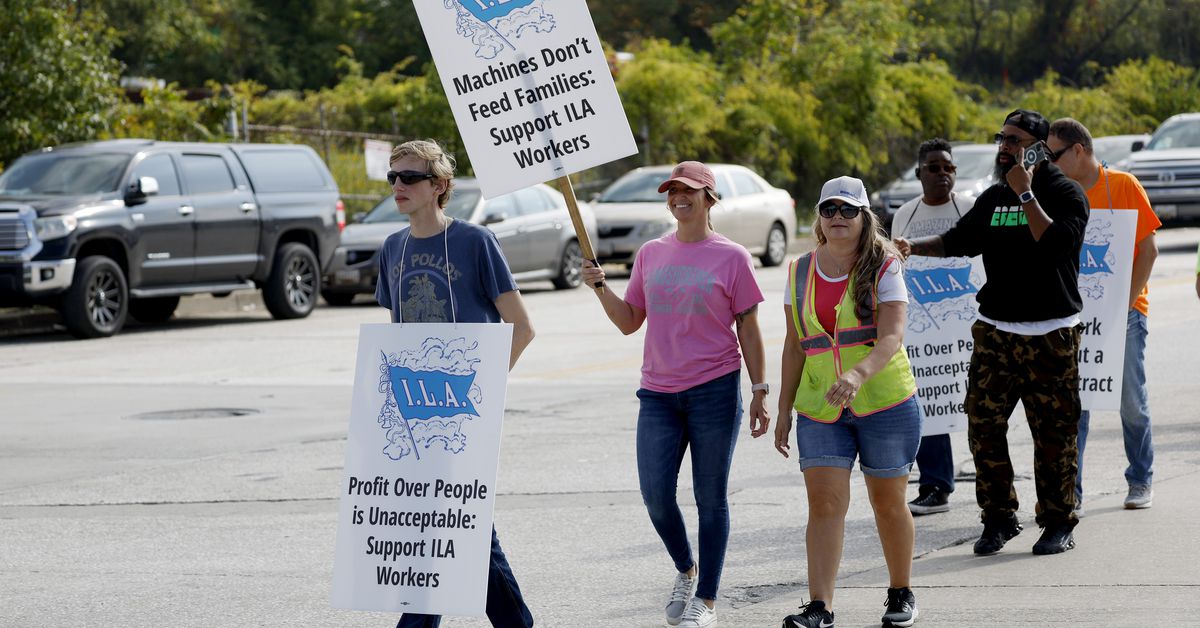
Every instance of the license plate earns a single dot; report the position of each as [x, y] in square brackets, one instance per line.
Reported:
[1166, 211]
[343, 277]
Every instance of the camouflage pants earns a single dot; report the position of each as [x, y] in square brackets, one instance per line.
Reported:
[1042, 372]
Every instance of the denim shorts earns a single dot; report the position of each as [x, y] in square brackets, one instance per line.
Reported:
[886, 441]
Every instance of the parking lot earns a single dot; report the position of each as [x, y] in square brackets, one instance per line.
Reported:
[187, 474]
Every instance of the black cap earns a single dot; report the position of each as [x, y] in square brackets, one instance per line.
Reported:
[1031, 122]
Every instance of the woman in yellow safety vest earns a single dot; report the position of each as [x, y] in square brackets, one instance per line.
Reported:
[847, 376]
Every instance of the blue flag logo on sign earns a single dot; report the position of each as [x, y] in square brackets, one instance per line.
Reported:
[423, 395]
[488, 10]
[939, 284]
[1091, 259]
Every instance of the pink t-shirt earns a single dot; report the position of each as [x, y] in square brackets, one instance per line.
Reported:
[690, 292]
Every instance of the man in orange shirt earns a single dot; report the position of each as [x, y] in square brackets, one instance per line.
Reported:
[1070, 144]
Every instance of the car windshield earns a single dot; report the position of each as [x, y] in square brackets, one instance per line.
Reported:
[1112, 149]
[58, 174]
[461, 206]
[1181, 134]
[638, 187]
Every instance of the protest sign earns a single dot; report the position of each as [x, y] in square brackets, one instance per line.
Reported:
[415, 513]
[1105, 273]
[529, 86]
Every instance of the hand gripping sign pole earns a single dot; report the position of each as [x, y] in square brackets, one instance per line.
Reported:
[531, 92]
[585, 243]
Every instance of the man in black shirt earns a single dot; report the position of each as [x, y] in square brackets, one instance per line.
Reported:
[1029, 228]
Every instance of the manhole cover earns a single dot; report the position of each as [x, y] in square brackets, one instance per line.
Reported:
[187, 414]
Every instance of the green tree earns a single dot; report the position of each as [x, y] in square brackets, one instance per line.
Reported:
[57, 80]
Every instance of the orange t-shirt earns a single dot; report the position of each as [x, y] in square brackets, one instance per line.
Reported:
[1127, 193]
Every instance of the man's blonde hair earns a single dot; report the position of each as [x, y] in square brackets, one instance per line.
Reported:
[438, 162]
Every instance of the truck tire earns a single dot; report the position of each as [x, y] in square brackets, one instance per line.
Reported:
[153, 311]
[291, 290]
[570, 267]
[97, 302]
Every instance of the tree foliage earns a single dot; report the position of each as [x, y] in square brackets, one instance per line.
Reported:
[57, 80]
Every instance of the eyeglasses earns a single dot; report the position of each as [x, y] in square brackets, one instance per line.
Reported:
[1002, 139]
[830, 209]
[1055, 154]
[940, 168]
[408, 177]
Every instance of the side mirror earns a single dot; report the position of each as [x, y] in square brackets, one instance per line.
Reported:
[494, 218]
[140, 189]
[1138, 145]
[594, 197]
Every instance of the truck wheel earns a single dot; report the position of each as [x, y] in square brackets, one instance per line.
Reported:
[154, 310]
[97, 302]
[291, 290]
[338, 298]
[776, 248]
[570, 267]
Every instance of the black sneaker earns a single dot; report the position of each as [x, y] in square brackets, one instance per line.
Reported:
[930, 500]
[901, 608]
[995, 534]
[812, 615]
[1055, 539]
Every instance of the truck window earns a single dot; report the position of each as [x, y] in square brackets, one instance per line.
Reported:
[63, 174]
[207, 174]
[163, 170]
[283, 170]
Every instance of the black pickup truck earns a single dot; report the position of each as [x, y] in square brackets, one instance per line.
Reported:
[105, 230]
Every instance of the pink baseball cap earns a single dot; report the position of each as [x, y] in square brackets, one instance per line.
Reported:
[692, 174]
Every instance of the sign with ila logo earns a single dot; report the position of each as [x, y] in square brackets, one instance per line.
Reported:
[416, 500]
[1105, 270]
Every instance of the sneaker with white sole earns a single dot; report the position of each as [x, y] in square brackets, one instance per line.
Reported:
[901, 608]
[930, 499]
[681, 596]
[698, 615]
[811, 615]
[1140, 496]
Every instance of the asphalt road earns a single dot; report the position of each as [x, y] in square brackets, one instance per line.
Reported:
[188, 474]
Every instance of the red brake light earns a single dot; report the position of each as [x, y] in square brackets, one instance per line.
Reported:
[340, 215]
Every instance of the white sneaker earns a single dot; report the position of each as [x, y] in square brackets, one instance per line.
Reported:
[1140, 496]
[698, 615]
[681, 596]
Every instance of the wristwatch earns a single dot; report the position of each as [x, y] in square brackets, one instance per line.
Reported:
[765, 387]
[1026, 196]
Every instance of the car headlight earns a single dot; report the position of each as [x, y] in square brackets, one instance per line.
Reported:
[655, 229]
[54, 227]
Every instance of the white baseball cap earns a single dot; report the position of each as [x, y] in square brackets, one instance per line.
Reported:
[846, 189]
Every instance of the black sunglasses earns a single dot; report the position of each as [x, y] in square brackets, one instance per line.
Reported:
[408, 177]
[830, 209]
[1002, 139]
[1055, 154]
[940, 168]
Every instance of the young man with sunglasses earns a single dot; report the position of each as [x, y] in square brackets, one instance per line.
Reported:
[933, 213]
[1029, 228]
[1070, 144]
[441, 270]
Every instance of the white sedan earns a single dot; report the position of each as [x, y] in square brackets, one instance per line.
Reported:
[752, 212]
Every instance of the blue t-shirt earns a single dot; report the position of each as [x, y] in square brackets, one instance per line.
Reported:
[478, 275]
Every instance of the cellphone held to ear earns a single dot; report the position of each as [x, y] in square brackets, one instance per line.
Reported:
[1034, 155]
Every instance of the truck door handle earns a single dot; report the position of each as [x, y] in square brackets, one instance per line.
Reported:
[248, 207]
[186, 210]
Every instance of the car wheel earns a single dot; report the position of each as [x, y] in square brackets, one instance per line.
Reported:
[153, 311]
[338, 298]
[291, 289]
[776, 248]
[570, 267]
[97, 303]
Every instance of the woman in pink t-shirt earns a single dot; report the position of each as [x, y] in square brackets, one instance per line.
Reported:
[692, 288]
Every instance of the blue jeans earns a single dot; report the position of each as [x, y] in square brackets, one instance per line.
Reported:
[884, 442]
[936, 462]
[704, 418]
[1135, 411]
[505, 607]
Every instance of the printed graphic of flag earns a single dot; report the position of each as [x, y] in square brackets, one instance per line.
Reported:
[1091, 259]
[424, 395]
[939, 284]
[488, 10]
